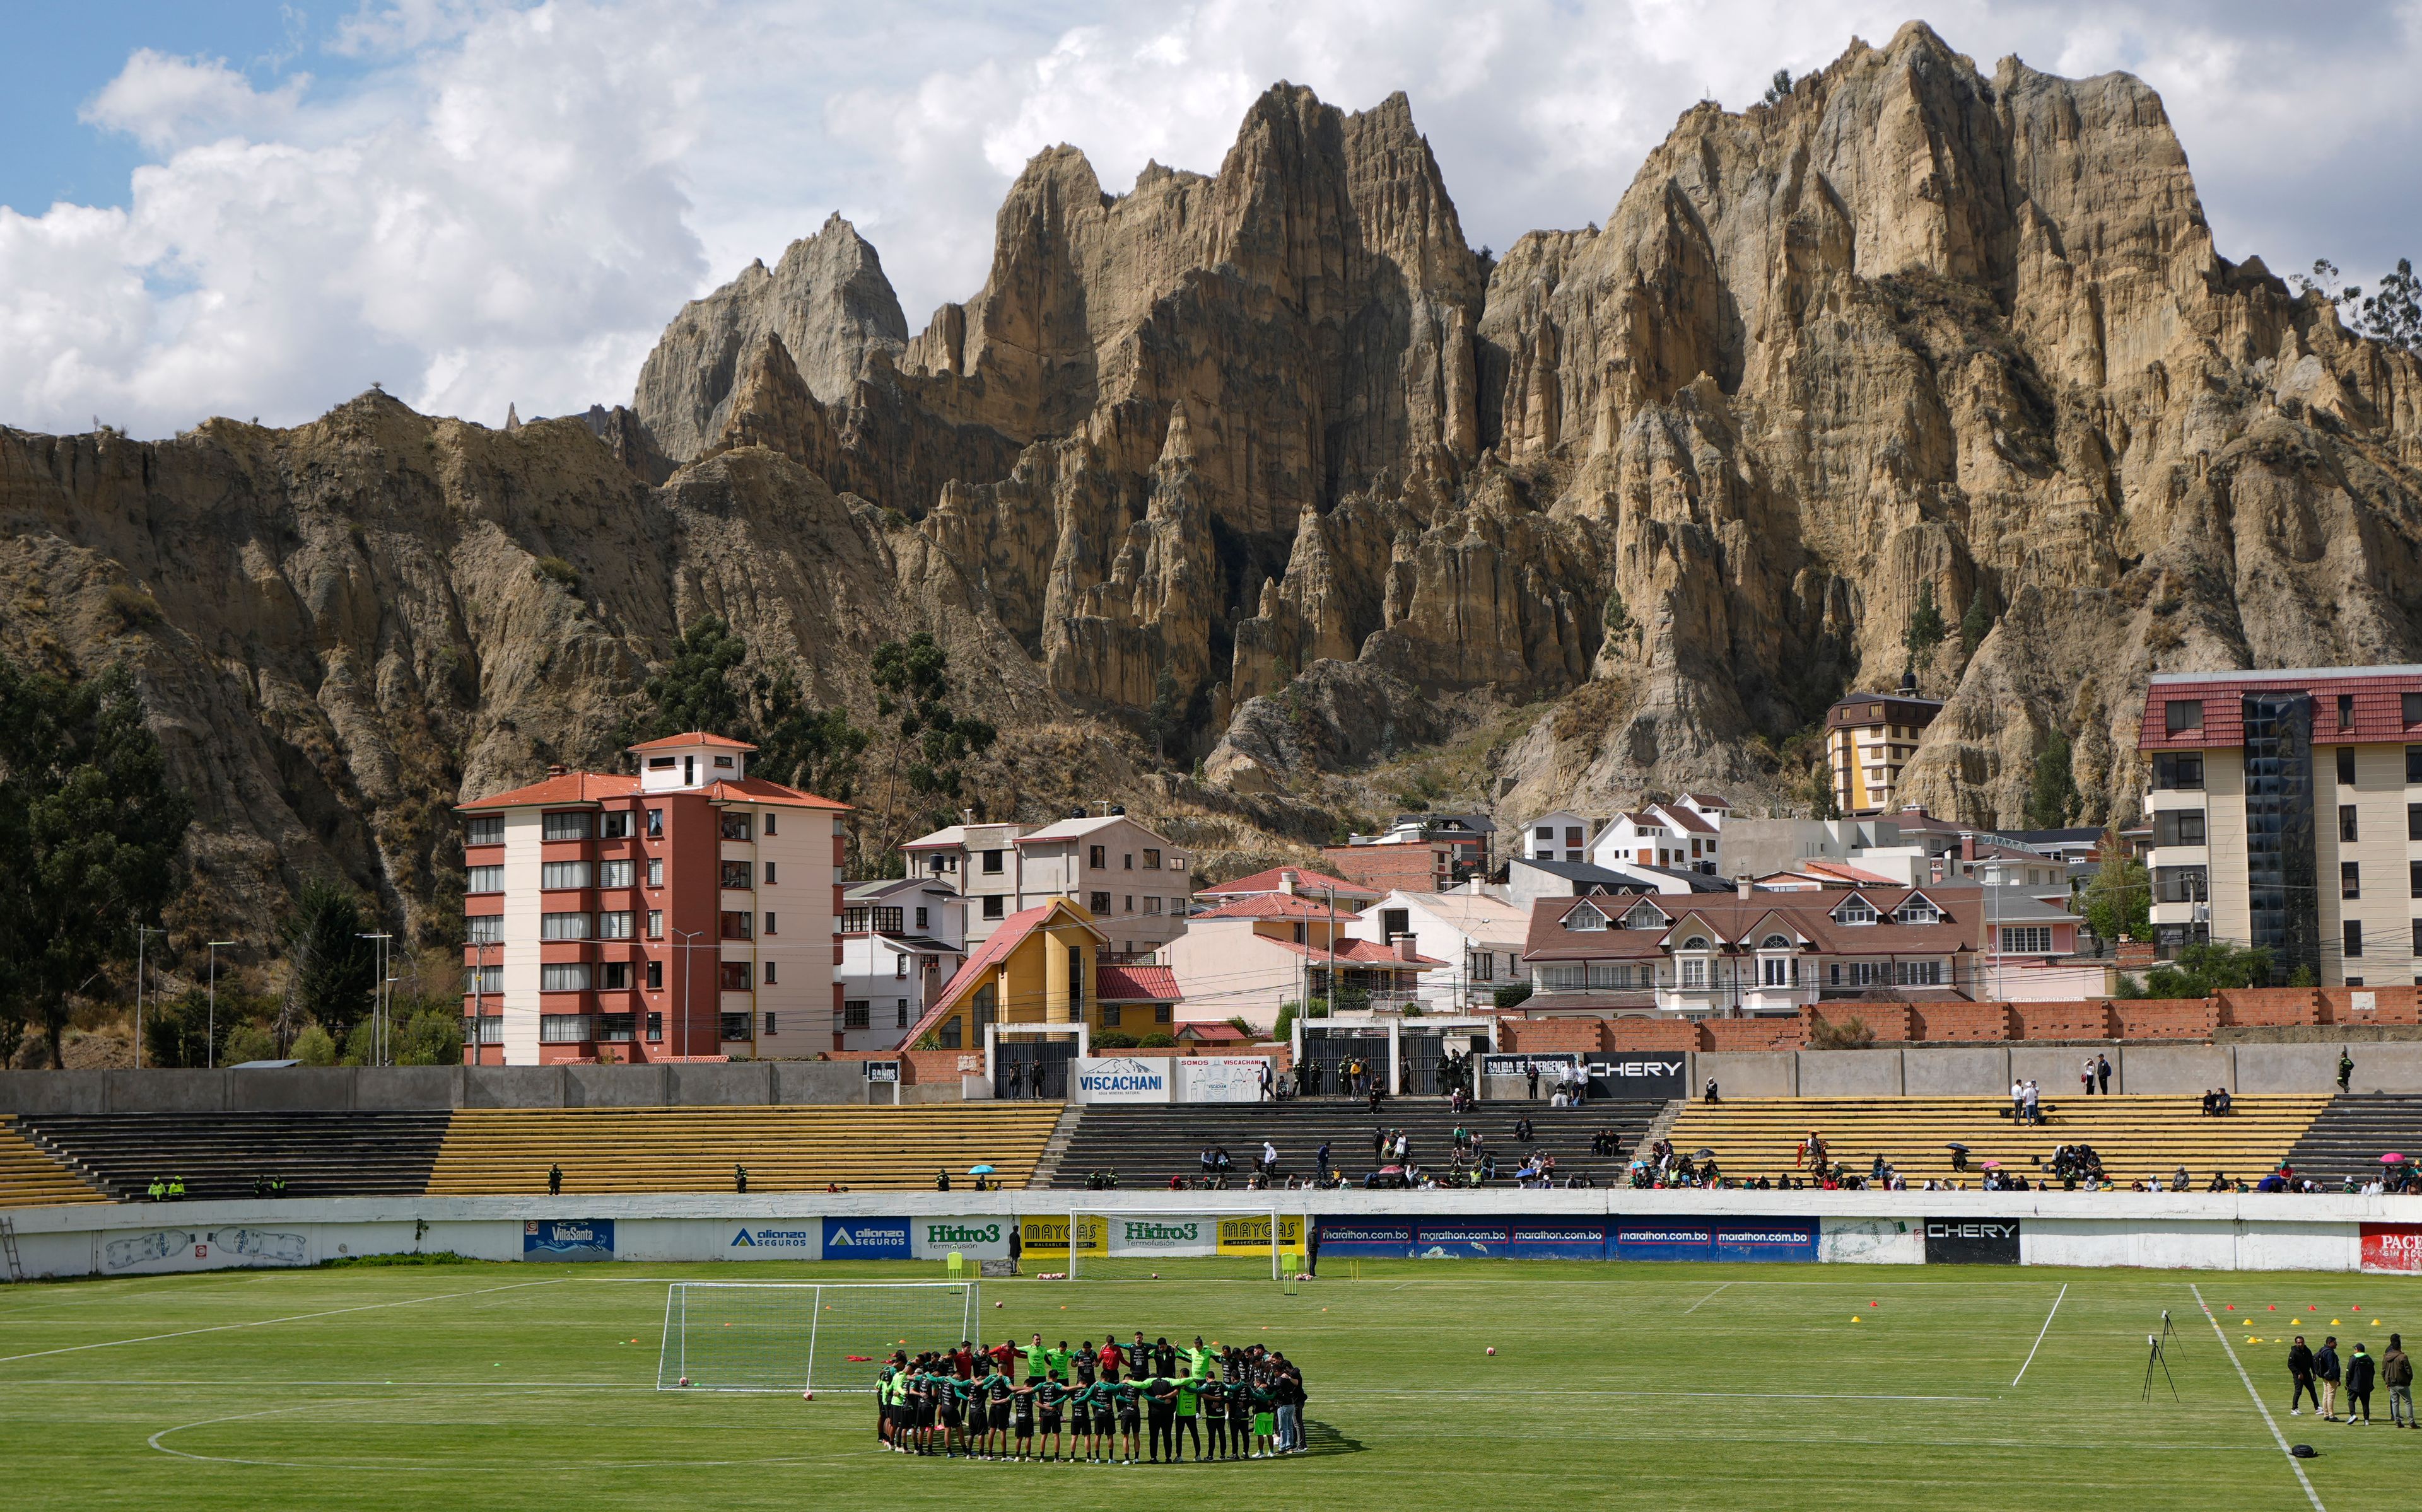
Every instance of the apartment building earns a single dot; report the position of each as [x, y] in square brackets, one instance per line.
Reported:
[900, 940]
[687, 910]
[1869, 737]
[2286, 810]
[1419, 852]
[1132, 882]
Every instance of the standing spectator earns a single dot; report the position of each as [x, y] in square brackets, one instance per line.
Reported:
[1320, 1162]
[2325, 1369]
[1265, 1080]
[739, 1178]
[2299, 1370]
[2397, 1373]
[554, 1180]
[2018, 1100]
[1269, 1159]
[1531, 1081]
[2102, 1073]
[2086, 1076]
[2346, 1067]
[2358, 1385]
[2032, 1099]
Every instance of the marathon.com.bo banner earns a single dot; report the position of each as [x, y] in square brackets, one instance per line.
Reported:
[1972, 1242]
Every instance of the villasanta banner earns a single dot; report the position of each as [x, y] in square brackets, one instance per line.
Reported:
[2392, 1247]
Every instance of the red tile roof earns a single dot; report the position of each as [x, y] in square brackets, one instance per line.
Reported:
[988, 955]
[1213, 1030]
[569, 787]
[1708, 799]
[1306, 881]
[1278, 906]
[1136, 984]
[720, 742]
[1685, 818]
[2378, 694]
[758, 790]
[1357, 953]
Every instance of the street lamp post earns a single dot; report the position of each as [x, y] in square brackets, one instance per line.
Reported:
[685, 936]
[378, 1001]
[210, 1044]
[142, 932]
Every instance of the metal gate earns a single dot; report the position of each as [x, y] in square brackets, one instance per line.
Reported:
[1422, 1054]
[1328, 1051]
[1014, 1063]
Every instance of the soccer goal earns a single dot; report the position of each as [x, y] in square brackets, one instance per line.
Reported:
[798, 1335]
[1196, 1246]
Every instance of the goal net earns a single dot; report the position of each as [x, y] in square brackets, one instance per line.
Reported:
[784, 1335]
[1195, 1246]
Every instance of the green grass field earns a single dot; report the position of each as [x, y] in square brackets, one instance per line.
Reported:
[516, 1386]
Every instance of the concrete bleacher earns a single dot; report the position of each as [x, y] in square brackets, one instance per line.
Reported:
[31, 1177]
[694, 1149]
[2354, 1131]
[320, 1154]
[1146, 1145]
[2138, 1137]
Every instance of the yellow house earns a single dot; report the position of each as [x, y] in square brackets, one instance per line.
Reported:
[1043, 965]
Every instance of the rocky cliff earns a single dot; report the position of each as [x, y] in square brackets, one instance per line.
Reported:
[1665, 485]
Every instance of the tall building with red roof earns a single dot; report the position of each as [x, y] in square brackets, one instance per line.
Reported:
[687, 910]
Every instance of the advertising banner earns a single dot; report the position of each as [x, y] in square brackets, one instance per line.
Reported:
[1659, 1077]
[1149, 1234]
[1542, 1239]
[1348, 1237]
[1251, 1234]
[1220, 1078]
[1548, 1062]
[2392, 1247]
[568, 1239]
[977, 1239]
[1713, 1238]
[1515, 1238]
[796, 1239]
[1119, 1078]
[1041, 1234]
[867, 1239]
[177, 1249]
[1972, 1242]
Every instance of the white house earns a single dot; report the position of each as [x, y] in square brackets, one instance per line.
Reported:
[1684, 834]
[1478, 936]
[900, 941]
[1560, 835]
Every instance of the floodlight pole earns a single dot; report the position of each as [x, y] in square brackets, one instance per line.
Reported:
[685, 936]
[378, 1001]
[142, 931]
[211, 1039]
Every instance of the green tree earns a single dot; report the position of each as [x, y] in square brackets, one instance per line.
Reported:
[91, 829]
[2202, 970]
[431, 1035]
[2118, 902]
[330, 970]
[1779, 87]
[801, 746]
[313, 1047]
[1823, 802]
[176, 1032]
[250, 1042]
[2393, 314]
[1285, 1028]
[1618, 618]
[1167, 716]
[1925, 630]
[912, 681]
[695, 689]
[706, 685]
[2051, 797]
[1976, 623]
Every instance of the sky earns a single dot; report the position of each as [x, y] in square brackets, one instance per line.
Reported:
[259, 209]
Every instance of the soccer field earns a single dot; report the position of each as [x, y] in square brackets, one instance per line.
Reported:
[520, 1386]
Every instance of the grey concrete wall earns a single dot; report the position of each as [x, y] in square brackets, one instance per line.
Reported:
[616, 1086]
[739, 1084]
[35, 1092]
[1743, 1073]
[409, 1088]
[291, 1087]
[824, 1081]
[2053, 1069]
[1849, 1073]
[2378, 1067]
[2173, 1068]
[1965, 1071]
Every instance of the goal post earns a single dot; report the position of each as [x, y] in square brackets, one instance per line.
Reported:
[1254, 1244]
[804, 1336]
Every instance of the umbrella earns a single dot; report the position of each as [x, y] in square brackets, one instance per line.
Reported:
[1391, 1170]
[1957, 1146]
[978, 1170]
[1992, 1165]
[2391, 1158]
[1702, 1155]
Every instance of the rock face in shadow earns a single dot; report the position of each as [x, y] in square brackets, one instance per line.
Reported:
[1276, 439]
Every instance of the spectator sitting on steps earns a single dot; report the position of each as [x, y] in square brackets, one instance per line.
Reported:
[739, 1178]
[158, 1191]
[942, 1180]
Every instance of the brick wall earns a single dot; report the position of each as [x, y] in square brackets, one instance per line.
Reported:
[2181, 1019]
[2062, 1021]
[1629, 1034]
[2270, 1006]
[1753, 1033]
[2390, 1005]
[1966, 1021]
[1412, 867]
[1548, 1036]
[1893, 1022]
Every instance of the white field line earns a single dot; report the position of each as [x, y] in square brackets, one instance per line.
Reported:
[265, 1323]
[2039, 1335]
[1754, 1396]
[1704, 1301]
[2272, 1424]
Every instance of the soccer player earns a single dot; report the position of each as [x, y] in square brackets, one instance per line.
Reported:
[1215, 1414]
[1112, 1357]
[1050, 1398]
[1055, 1362]
[1089, 1402]
[1265, 1421]
[1161, 1413]
[1240, 1406]
[1190, 1392]
[967, 1404]
[1164, 1358]
[1198, 1360]
[1124, 1400]
[1021, 1416]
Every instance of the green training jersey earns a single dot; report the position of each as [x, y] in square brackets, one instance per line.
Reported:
[1189, 1391]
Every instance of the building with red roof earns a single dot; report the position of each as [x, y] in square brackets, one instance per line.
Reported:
[685, 911]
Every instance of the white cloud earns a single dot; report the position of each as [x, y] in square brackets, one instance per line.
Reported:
[506, 202]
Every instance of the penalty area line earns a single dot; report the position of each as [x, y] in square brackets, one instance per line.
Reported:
[2039, 1335]
[1755, 1396]
[265, 1323]
[2268, 1421]
[1704, 1301]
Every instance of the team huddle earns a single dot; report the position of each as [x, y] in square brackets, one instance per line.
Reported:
[1120, 1404]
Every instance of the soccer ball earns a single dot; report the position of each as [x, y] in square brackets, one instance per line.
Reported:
[1001, 1304]
[1492, 1348]
[684, 1380]
[807, 1397]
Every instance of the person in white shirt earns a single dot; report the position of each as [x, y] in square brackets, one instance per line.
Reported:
[2018, 1098]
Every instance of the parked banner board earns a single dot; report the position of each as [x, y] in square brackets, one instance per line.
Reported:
[1972, 1242]
[2392, 1247]
[867, 1239]
[1120, 1079]
[883, 1071]
[1659, 1077]
[1041, 1234]
[1548, 1062]
[568, 1239]
[1569, 1239]
[1349, 1238]
[1712, 1239]
[793, 1240]
[977, 1239]
[1251, 1234]
[1170, 1234]
[1220, 1078]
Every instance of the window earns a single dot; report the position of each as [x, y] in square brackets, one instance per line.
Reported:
[769, 924]
[2350, 878]
[1126, 860]
[2346, 721]
[731, 975]
[660, 763]
[1110, 1016]
[992, 906]
[563, 927]
[490, 1029]
[565, 1028]
[1151, 858]
[1076, 982]
[1302, 932]
[2412, 708]
[2179, 770]
[723, 763]
[565, 874]
[1643, 917]
[732, 924]
[2029, 939]
[952, 1033]
[1857, 910]
[614, 977]
[1127, 909]
[992, 863]
[1775, 970]
[986, 1005]
[1098, 902]
[484, 879]
[900, 968]
[1918, 911]
[2354, 937]
[735, 1025]
[2415, 871]
[2179, 826]
[571, 826]
[1694, 973]
[655, 824]
[1586, 919]
[769, 972]
[614, 874]
[854, 1013]
[1152, 905]
[1097, 856]
[614, 925]
[1917, 973]
[737, 875]
[904, 1014]
[615, 826]
[769, 827]
[2179, 884]
[2346, 766]
[483, 928]
[921, 925]
[489, 829]
[2414, 821]
[615, 1028]
[2180, 715]
[655, 871]
[769, 874]
[735, 826]
[1480, 965]
[655, 924]
[484, 981]
[1393, 922]
[564, 977]
[1163, 1013]
[1546, 832]
[655, 979]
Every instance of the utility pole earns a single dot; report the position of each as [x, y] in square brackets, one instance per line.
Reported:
[210, 1044]
[1330, 893]
[479, 969]
[685, 936]
[142, 932]
[378, 1002]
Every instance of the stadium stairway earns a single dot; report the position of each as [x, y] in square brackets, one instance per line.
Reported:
[1146, 1145]
[2354, 1131]
[321, 1154]
[789, 1149]
[31, 1177]
[2138, 1137]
